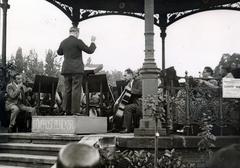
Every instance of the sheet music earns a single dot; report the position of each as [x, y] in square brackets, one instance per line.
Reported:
[93, 67]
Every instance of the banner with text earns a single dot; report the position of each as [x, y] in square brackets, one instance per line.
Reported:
[231, 88]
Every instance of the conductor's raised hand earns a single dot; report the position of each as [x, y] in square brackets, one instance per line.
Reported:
[93, 39]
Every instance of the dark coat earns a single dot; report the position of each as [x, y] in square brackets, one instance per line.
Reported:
[137, 87]
[72, 49]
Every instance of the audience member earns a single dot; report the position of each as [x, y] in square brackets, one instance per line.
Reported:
[208, 80]
[77, 155]
[227, 157]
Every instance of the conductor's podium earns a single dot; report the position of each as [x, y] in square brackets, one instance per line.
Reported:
[69, 124]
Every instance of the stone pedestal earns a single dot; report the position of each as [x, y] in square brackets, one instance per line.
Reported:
[147, 128]
[69, 124]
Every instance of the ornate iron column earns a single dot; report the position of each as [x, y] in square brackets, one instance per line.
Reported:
[76, 16]
[5, 6]
[149, 70]
[163, 34]
[3, 117]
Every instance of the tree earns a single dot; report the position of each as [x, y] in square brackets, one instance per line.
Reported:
[114, 76]
[32, 66]
[52, 66]
[41, 68]
[12, 59]
[19, 60]
[228, 63]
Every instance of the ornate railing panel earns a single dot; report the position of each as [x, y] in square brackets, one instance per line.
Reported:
[191, 102]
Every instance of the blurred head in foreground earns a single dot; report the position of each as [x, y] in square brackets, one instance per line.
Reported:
[227, 157]
[76, 155]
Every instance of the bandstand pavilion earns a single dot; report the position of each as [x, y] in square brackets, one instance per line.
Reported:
[162, 13]
[159, 12]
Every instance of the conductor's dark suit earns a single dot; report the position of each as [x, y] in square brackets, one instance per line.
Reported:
[72, 70]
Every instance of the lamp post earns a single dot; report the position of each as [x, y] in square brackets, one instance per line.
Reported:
[5, 6]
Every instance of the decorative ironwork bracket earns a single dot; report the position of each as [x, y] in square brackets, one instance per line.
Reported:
[66, 9]
[173, 17]
[4, 5]
[87, 14]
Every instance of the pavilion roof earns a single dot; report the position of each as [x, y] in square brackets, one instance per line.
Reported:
[137, 6]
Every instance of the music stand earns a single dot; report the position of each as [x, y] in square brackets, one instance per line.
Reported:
[92, 68]
[45, 84]
[170, 80]
[95, 83]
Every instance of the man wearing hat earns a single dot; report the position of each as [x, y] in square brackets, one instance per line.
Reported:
[73, 69]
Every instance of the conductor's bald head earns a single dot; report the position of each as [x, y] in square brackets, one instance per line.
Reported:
[76, 155]
[74, 31]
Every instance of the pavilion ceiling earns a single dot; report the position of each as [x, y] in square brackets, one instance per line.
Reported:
[137, 6]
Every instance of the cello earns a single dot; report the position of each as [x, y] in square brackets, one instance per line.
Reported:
[119, 107]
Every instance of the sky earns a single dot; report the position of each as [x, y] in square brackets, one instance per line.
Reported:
[191, 43]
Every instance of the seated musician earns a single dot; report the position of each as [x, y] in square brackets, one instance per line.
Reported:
[46, 104]
[201, 95]
[208, 79]
[16, 100]
[133, 109]
[94, 104]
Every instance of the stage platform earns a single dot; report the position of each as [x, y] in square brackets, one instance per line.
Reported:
[40, 150]
[127, 140]
[50, 133]
[69, 124]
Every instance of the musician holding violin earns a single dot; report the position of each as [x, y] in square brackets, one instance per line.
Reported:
[16, 100]
[129, 103]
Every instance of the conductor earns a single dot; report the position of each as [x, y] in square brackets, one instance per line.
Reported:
[73, 69]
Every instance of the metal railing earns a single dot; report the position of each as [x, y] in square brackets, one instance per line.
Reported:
[185, 105]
